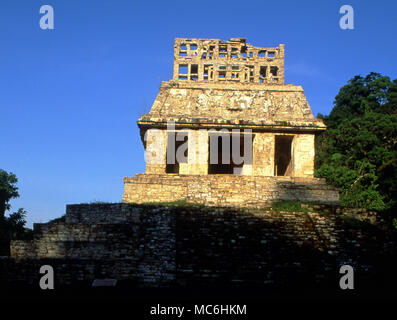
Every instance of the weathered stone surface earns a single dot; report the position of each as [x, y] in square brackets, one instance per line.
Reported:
[187, 245]
[226, 190]
[227, 85]
[235, 61]
[240, 105]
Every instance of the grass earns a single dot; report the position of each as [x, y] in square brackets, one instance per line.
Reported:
[289, 206]
[177, 203]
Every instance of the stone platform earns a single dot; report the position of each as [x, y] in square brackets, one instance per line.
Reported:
[188, 245]
[227, 190]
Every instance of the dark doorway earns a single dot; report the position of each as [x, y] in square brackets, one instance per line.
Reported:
[172, 159]
[223, 145]
[282, 156]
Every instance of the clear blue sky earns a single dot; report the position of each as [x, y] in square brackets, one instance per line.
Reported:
[70, 97]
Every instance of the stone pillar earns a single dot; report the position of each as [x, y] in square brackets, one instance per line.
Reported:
[200, 71]
[197, 153]
[176, 72]
[303, 153]
[281, 66]
[202, 152]
[263, 162]
[247, 169]
[156, 151]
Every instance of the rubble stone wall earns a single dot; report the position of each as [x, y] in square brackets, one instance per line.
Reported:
[160, 245]
[226, 190]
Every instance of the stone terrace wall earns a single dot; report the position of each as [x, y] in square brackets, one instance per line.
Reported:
[226, 190]
[98, 236]
[195, 245]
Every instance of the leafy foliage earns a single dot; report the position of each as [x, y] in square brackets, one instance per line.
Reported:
[394, 223]
[358, 152]
[8, 190]
[13, 226]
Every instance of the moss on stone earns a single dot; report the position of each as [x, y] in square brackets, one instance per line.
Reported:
[177, 203]
[290, 206]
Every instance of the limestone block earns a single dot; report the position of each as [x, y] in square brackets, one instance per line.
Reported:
[303, 147]
[263, 154]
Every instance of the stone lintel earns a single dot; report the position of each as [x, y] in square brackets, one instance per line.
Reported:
[147, 122]
[200, 85]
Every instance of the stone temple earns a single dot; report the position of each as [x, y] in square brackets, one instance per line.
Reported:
[221, 92]
[225, 91]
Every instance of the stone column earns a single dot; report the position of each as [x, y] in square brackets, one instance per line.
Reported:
[303, 152]
[156, 151]
[263, 162]
[197, 153]
[281, 66]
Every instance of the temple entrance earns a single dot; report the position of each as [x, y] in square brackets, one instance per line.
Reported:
[283, 165]
[219, 154]
[220, 157]
[174, 154]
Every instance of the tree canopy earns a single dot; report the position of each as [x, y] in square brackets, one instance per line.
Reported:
[358, 152]
[14, 224]
[8, 190]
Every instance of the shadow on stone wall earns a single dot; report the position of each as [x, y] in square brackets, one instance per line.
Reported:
[245, 248]
[193, 247]
[307, 190]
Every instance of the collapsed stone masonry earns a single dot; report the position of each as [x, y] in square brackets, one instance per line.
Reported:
[225, 91]
[187, 245]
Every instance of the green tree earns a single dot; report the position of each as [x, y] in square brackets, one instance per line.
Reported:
[358, 152]
[8, 190]
[13, 226]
